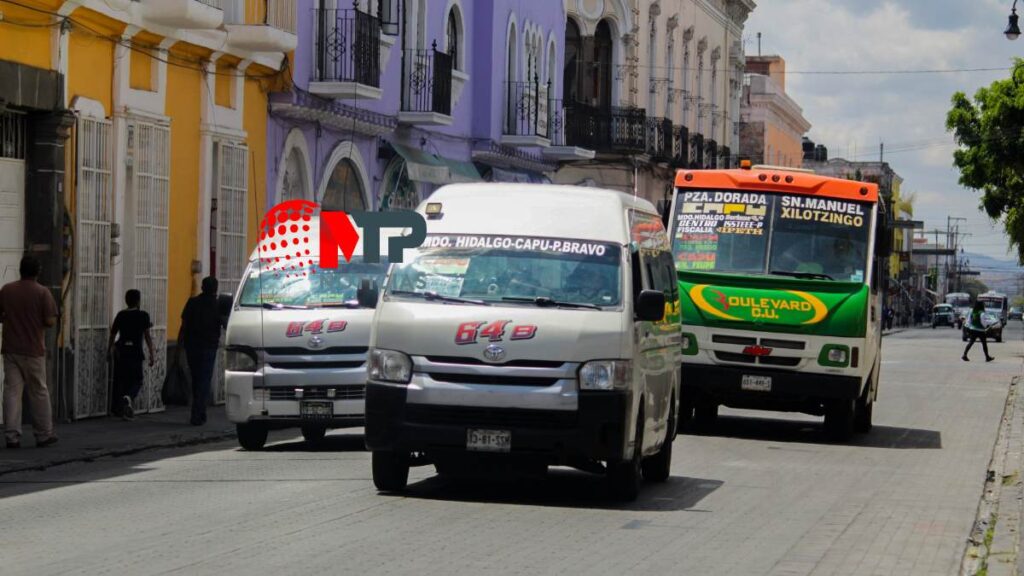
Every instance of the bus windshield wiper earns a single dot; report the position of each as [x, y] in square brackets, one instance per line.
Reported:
[543, 301]
[802, 275]
[434, 296]
[276, 306]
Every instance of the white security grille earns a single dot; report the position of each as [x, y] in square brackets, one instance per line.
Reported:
[232, 193]
[149, 175]
[12, 135]
[92, 266]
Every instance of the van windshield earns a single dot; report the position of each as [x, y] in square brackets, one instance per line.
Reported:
[504, 269]
[310, 286]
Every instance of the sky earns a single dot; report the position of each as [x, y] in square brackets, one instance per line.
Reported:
[852, 113]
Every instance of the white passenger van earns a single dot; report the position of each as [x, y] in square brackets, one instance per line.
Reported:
[536, 326]
[296, 343]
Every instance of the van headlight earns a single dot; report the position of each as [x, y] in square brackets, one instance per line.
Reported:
[240, 359]
[390, 366]
[605, 375]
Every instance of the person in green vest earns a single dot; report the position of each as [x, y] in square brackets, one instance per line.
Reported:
[976, 330]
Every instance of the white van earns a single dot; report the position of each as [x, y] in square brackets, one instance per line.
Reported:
[296, 344]
[536, 326]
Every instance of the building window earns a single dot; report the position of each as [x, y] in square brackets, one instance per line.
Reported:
[453, 37]
[510, 63]
[344, 189]
[573, 61]
[293, 183]
[602, 70]
[230, 205]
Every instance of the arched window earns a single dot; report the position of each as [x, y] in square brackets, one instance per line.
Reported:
[344, 188]
[293, 182]
[510, 64]
[573, 63]
[603, 53]
[398, 192]
[453, 37]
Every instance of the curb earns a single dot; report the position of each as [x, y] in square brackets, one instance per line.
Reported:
[173, 441]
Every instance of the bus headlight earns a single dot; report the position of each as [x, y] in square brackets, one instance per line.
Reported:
[240, 359]
[834, 355]
[605, 375]
[390, 366]
[837, 355]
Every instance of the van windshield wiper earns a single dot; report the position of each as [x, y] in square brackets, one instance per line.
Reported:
[347, 304]
[543, 301]
[276, 306]
[802, 275]
[434, 296]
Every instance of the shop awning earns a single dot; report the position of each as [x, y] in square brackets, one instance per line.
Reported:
[423, 166]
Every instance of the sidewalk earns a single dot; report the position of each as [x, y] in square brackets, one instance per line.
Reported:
[98, 437]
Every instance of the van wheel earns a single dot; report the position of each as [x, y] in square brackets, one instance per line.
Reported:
[390, 470]
[658, 468]
[705, 414]
[839, 416]
[251, 437]
[999, 337]
[624, 478]
[314, 434]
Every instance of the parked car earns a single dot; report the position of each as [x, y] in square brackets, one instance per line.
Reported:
[994, 330]
[943, 315]
[1016, 313]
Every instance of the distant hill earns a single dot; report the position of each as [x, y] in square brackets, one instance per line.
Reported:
[998, 274]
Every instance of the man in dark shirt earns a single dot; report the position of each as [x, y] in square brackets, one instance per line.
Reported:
[27, 309]
[201, 322]
[132, 326]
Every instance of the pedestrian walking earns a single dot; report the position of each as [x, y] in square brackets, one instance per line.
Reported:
[976, 330]
[201, 322]
[27, 309]
[131, 327]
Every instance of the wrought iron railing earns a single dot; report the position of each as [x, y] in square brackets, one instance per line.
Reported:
[726, 156]
[659, 139]
[614, 129]
[527, 111]
[347, 47]
[711, 154]
[680, 147]
[696, 150]
[427, 81]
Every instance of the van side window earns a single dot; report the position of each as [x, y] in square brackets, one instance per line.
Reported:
[636, 273]
[661, 274]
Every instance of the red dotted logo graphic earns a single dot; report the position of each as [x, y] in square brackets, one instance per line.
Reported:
[286, 244]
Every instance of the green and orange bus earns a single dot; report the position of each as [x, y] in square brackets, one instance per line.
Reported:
[780, 273]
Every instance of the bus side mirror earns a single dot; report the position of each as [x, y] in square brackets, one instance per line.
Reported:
[367, 293]
[650, 306]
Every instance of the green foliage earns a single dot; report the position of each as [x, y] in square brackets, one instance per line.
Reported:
[973, 286]
[990, 132]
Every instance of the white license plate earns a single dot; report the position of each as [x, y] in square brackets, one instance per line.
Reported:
[756, 383]
[316, 410]
[488, 440]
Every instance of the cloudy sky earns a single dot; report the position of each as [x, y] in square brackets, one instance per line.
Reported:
[852, 113]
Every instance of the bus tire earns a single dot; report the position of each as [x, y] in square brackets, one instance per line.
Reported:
[839, 419]
[314, 434]
[624, 478]
[658, 468]
[390, 470]
[705, 414]
[862, 414]
[251, 436]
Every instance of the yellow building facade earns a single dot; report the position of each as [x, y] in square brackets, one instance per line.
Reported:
[132, 155]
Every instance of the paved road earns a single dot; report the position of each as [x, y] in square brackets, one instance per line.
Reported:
[763, 495]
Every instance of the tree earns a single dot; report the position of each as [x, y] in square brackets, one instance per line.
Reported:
[973, 286]
[990, 132]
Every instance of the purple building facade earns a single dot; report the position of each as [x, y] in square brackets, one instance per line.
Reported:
[393, 98]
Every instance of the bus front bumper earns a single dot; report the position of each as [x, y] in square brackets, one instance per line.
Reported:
[753, 387]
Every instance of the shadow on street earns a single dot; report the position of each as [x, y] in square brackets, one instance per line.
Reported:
[777, 430]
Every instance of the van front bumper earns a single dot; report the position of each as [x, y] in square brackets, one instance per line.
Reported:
[724, 383]
[595, 431]
[242, 408]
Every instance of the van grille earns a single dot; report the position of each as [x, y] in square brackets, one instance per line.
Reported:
[343, 365]
[484, 417]
[347, 392]
[509, 364]
[492, 380]
[335, 350]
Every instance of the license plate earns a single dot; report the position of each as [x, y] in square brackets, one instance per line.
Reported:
[316, 410]
[756, 383]
[488, 440]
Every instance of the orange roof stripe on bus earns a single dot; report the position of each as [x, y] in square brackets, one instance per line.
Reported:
[802, 183]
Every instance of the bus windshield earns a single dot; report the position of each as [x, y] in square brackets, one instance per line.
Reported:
[959, 300]
[772, 233]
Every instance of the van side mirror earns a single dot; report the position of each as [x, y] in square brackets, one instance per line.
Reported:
[367, 293]
[650, 306]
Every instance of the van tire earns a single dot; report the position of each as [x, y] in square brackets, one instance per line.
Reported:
[314, 434]
[658, 468]
[390, 470]
[624, 478]
[251, 437]
[705, 414]
[839, 419]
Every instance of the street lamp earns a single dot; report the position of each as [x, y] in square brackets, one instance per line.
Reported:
[1012, 29]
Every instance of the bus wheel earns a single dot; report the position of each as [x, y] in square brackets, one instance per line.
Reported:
[839, 416]
[251, 437]
[862, 414]
[705, 414]
[390, 470]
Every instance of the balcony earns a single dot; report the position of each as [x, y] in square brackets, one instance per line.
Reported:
[726, 156]
[680, 147]
[565, 144]
[347, 56]
[610, 130]
[185, 14]
[696, 151]
[261, 25]
[426, 88]
[711, 154]
[527, 117]
[659, 139]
